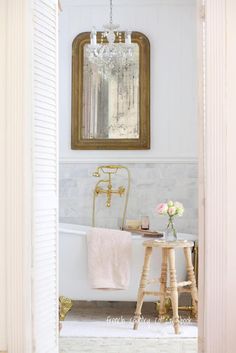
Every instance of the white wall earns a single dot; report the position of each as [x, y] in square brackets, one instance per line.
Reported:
[171, 28]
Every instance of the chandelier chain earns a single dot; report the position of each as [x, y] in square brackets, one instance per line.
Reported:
[111, 19]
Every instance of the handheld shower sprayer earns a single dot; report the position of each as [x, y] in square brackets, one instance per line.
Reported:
[110, 170]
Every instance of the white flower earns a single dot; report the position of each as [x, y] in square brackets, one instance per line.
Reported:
[170, 203]
[179, 208]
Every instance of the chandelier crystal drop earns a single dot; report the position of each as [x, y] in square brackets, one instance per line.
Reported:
[113, 54]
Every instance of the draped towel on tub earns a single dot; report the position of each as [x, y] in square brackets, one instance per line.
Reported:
[109, 258]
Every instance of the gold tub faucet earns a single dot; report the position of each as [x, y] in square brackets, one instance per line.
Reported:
[107, 189]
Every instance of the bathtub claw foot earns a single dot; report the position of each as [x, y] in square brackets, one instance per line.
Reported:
[65, 305]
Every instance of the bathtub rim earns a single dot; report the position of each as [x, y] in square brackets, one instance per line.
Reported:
[77, 229]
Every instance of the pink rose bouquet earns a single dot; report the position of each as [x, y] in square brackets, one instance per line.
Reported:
[171, 209]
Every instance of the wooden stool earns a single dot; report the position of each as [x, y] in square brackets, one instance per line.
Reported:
[168, 255]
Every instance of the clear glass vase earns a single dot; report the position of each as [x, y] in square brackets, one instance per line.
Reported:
[170, 233]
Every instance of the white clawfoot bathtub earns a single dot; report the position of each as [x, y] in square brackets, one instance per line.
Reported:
[74, 272]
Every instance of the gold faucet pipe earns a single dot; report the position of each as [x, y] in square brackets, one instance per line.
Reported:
[103, 191]
[94, 199]
[101, 181]
[97, 174]
[127, 197]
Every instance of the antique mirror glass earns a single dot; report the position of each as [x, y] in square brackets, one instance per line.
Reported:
[111, 109]
[108, 109]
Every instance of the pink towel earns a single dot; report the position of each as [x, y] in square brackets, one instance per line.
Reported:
[109, 258]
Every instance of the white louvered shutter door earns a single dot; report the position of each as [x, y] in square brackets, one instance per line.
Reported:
[44, 272]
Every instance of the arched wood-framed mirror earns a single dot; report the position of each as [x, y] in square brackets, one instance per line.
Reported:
[110, 112]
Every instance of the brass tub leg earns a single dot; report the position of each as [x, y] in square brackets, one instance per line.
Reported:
[65, 305]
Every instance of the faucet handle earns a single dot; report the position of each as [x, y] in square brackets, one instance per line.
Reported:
[96, 174]
[121, 190]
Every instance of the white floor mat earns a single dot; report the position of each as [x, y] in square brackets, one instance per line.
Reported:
[125, 329]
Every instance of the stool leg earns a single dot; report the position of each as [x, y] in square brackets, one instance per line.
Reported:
[174, 290]
[191, 277]
[163, 281]
[142, 286]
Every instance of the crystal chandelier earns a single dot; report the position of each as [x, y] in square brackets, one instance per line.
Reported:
[111, 55]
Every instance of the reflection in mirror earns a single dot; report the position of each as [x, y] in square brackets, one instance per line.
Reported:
[111, 108]
[110, 100]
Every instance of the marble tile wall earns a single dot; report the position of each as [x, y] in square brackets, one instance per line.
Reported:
[151, 184]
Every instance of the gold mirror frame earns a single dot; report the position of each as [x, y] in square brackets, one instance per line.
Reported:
[77, 141]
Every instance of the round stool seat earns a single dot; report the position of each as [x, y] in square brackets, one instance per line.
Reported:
[168, 244]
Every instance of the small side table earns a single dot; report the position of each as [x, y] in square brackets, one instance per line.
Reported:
[168, 256]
